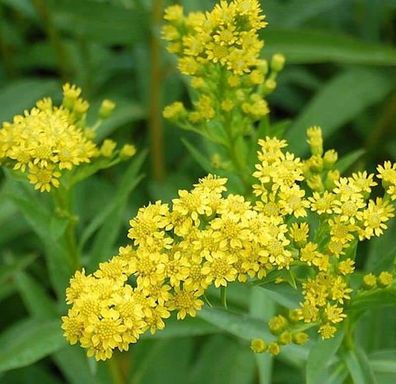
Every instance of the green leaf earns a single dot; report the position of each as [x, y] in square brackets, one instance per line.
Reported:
[233, 364]
[23, 6]
[130, 181]
[90, 19]
[36, 300]
[383, 361]
[37, 373]
[262, 306]
[347, 161]
[292, 14]
[29, 341]
[376, 298]
[73, 363]
[248, 328]
[46, 225]
[172, 359]
[307, 46]
[199, 157]
[343, 98]
[337, 373]
[359, 367]
[111, 217]
[320, 357]
[187, 328]
[23, 94]
[13, 266]
[283, 294]
[126, 112]
[379, 258]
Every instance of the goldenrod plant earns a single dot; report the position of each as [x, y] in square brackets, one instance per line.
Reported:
[302, 226]
[271, 240]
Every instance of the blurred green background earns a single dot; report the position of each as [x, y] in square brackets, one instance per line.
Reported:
[340, 74]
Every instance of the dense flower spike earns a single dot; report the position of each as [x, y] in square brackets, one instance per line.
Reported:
[49, 140]
[206, 238]
[220, 52]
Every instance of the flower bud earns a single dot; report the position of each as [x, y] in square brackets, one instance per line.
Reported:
[285, 338]
[277, 62]
[174, 111]
[330, 158]
[127, 151]
[385, 279]
[331, 178]
[277, 324]
[258, 345]
[107, 148]
[369, 281]
[315, 140]
[106, 109]
[274, 349]
[300, 338]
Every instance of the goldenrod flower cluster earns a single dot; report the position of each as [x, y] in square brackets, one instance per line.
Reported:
[49, 140]
[206, 238]
[219, 50]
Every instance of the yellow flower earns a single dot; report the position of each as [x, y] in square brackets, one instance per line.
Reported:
[385, 279]
[292, 202]
[174, 111]
[106, 108]
[327, 331]
[205, 238]
[315, 140]
[334, 314]
[374, 218]
[277, 324]
[128, 150]
[258, 345]
[49, 140]
[186, 302]
[173, 13]
[387, 173]
[341, 230]
[346, 267]
[299, 233]
[369, 280]
[362, 181]
[274, 349]
[300, 338]
[108, 147]
[322, 203]
[219, 268]
[43, 178]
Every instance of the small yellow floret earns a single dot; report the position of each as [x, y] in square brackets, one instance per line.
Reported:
[258, 345]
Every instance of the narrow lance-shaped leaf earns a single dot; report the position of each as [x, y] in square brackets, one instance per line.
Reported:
[29, 341]
[320, 357]
[105, 237]
[249, 328]
[23, 94]
[307, 46]
[358, 366]
[36, 300]
[343, 98]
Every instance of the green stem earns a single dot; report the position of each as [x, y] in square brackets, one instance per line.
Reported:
[234, 156]
[348, 338]
[155, 121]
[384, 126]
[63, 58]
[116, 371]
[223, 297]
[6, 51]
[62, 199]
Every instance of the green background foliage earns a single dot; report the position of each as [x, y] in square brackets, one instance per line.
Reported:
[340, 74]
